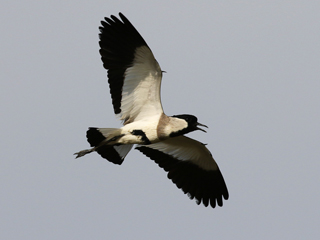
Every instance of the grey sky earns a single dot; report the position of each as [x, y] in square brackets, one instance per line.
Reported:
[247, 69]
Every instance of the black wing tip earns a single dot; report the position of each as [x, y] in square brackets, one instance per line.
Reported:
[123, 17]
[112, 21]
[115, 18]
[207, 187]
[122, 28]
[118, 41]
[109, 153]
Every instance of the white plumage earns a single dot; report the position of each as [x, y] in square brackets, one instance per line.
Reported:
[134, 78]
[141, 88]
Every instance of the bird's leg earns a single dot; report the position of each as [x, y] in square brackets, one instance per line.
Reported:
[84, 152]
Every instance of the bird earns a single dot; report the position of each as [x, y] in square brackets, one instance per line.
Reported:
[134, 78]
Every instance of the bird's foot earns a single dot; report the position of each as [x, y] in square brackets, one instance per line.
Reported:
[83, 152]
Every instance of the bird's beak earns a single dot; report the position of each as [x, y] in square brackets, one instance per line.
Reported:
[202, 125]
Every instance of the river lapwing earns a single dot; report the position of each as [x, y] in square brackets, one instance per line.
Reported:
[134, 78]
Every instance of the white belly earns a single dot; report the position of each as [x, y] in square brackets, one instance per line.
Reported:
[149, 128]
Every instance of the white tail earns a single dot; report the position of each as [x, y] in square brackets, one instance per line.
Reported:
[108, 133]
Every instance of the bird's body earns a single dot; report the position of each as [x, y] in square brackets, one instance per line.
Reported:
[135, 80]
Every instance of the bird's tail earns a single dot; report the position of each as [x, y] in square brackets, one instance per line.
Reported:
[99, 139]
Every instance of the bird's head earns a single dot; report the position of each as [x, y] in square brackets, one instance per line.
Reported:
[192, 125]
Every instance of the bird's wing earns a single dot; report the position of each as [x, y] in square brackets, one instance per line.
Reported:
[191, 167]
[133, 72]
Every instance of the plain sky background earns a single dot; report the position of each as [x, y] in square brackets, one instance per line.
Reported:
[248, 69]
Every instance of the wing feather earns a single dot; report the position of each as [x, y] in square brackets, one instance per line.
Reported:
[191, 167]
[134, 75]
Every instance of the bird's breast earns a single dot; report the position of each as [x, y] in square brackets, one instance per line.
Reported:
[141, 132]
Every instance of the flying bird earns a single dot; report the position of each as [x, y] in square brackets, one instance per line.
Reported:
[134, 78]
